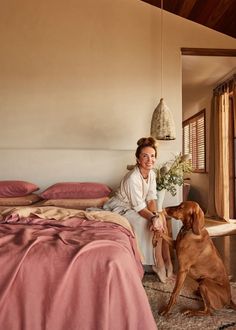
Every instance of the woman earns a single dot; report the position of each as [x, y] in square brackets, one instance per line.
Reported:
[135, 199]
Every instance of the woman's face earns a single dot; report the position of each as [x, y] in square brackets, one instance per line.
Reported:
[147, 158]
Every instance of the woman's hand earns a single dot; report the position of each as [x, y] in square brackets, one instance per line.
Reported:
[157, 224]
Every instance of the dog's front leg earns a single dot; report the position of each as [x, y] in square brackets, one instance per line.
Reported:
[181, 276]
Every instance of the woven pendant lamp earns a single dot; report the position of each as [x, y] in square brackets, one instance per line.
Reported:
[162, 124]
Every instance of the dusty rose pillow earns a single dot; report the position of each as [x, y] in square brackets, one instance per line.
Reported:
[16, 188]
[20, 201]
[80, 204]
[72, 190]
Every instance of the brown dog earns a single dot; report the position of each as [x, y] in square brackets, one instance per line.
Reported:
[198, 258]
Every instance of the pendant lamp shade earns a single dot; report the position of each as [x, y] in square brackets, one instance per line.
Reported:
[162, 125]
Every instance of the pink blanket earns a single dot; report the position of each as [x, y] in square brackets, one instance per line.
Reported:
[72, 274]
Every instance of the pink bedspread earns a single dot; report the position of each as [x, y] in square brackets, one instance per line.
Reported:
[74, 274]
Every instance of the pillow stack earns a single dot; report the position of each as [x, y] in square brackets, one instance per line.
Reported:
[18, 193]
[76, 195]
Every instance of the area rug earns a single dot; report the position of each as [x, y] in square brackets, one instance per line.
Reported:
[159, 294]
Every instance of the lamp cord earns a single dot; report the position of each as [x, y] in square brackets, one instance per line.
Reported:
[161, 46]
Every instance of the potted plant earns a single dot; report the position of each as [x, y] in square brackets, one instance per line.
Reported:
[171, 174]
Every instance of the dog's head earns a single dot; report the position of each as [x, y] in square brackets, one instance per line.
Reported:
[190, 214]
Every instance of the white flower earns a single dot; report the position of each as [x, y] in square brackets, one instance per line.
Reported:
[172, 173]
[164, 170]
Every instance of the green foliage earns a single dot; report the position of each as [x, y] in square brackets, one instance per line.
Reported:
[172, 173]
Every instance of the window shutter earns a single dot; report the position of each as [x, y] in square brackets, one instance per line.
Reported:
[194, 140]
[201, 143]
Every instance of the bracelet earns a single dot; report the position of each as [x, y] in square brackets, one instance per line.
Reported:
[153, 217]
[157, 212]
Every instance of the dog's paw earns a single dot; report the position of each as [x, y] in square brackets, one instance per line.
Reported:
[191, 312]
[187, 312]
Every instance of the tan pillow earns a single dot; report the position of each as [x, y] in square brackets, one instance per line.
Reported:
[80, 204]
[19, 201]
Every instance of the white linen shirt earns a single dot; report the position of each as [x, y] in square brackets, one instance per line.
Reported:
[135, 191]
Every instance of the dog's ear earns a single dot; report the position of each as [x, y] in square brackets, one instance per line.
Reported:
[198, 221]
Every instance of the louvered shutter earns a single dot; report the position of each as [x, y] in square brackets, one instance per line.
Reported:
[194, 140]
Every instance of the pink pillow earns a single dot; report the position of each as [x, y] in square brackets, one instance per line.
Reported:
[74, 190]
[16, 188]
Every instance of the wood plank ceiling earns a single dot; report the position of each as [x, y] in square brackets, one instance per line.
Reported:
[219, 15]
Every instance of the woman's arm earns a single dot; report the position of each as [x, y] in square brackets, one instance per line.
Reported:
[149, 213]
[152, 206]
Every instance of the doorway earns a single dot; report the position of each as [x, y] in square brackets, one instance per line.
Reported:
[202, 71]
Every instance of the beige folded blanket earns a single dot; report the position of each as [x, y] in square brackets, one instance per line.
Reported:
[60, 214]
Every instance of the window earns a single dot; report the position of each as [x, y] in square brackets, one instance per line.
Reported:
[194, 137]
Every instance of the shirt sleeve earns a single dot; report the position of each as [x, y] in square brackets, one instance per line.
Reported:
[134, 191]
[152, 191]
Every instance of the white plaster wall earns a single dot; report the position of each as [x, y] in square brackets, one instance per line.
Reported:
[45, 166]
[79, 81]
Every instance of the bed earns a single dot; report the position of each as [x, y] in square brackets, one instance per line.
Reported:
[64, 268]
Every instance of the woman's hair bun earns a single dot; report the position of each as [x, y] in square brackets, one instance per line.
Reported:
[140, 141]
[147, 141]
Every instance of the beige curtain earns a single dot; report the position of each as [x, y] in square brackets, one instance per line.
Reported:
[233, 173]
[218, 203]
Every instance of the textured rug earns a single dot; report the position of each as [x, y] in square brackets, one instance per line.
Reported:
[159, 294]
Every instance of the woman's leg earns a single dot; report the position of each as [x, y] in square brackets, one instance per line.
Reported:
[143, 236]
[159, 267]
[166, 253]
[151, 256]
[167, 259]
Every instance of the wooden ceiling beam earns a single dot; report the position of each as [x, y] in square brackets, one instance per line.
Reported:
[186, 8]
[209, 52]
[221, 8]
[216, 15]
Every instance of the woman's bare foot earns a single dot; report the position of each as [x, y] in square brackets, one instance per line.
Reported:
[169, 270]
[171, 277]
[161, 273]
